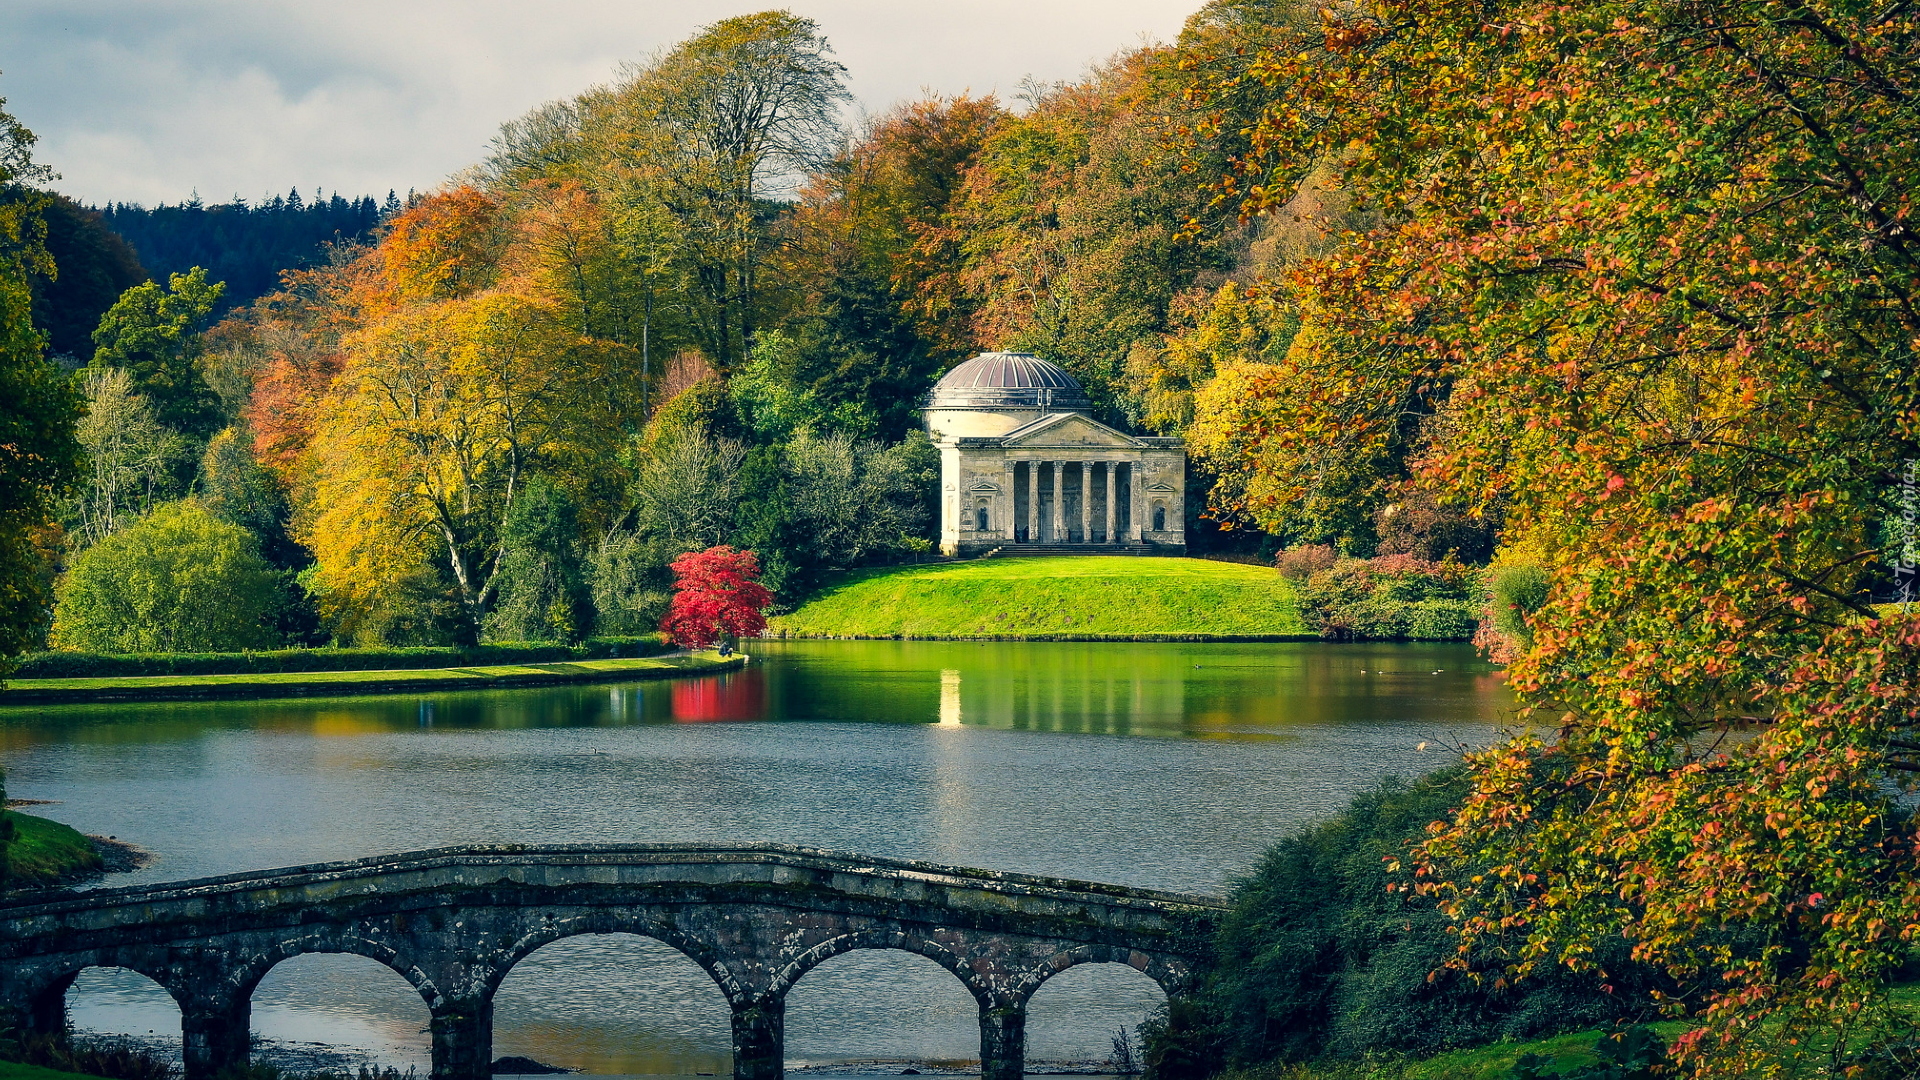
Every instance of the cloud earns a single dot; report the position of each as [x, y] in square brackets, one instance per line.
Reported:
[147, 102]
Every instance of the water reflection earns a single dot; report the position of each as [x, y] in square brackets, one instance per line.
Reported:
[903, 1006]
[1076, 1015]
[114, 1002]
[346, 1001]
[1244, 691]
[666, 1015]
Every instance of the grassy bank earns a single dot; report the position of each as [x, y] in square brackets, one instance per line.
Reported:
[1091, 596]
[316, 683]
[1494, 1061]
[44, 852]
[14, 1070]
[78, 665]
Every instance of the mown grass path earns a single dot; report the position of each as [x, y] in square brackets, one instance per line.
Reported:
[315, 683]
[1064, 597]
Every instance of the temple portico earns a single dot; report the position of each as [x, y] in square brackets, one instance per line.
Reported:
[1023, 465]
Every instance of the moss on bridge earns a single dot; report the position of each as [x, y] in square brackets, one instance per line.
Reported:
[1084, 597]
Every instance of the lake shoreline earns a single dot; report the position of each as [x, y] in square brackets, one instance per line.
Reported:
[359, 683]
[1225, 639]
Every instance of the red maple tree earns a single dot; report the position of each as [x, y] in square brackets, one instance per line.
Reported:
[716, 593]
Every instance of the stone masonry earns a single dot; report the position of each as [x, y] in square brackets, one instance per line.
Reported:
[453, 922]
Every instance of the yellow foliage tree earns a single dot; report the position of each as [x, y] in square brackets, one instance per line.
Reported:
[441, 414]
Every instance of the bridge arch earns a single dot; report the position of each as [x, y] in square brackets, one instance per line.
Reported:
[1091, 1012]
[61, 1006]
[662, 1011]
[617, 922]
[243, 978]
[301, 995]
[884, 939]
[1171, 975]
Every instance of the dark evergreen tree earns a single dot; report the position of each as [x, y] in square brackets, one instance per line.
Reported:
[245, 246]
[860, 350]
[93, 265]
[543, 592]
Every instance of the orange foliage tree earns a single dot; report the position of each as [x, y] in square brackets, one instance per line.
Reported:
[1642, 274]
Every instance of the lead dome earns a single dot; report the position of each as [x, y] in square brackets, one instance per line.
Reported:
[1009, 380]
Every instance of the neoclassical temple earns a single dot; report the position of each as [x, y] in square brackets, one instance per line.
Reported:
[1025, 468]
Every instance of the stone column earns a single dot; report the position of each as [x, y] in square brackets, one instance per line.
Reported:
[1008, 521]
[760, 1038]
[1003, 1041]
[1113, 491]
[1138, 503]
[44, 1013]
[1086, 502]
[215, 1035]
[1033, 502]
[463, 1040]
[1059, 503]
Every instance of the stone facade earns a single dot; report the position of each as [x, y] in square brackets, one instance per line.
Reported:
[1023, 465]
[454, 922]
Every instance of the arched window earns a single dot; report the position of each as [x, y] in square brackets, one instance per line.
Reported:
[982, 517]
[1159, 519]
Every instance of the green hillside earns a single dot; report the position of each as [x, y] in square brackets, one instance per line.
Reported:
[1069, 596]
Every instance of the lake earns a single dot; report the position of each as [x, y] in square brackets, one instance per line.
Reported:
[1167, 766]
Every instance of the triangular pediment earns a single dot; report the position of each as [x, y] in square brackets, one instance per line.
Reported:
[1068, 430]
[1159, 489]
[984, 487]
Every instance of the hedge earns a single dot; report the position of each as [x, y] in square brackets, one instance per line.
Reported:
[78, 665]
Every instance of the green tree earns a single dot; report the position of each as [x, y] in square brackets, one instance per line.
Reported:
[870, 257]
[133, 458]
[717, 127]
[38, 406]
[768, 394]
[544, 595]
[153, 332]
[179, 580]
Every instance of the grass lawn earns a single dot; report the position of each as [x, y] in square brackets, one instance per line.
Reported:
[42, 850]
[1496, 1061]
[267, 684]
[1079, 595]
[13, 1070]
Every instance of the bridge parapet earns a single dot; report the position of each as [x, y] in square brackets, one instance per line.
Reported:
[454, 921]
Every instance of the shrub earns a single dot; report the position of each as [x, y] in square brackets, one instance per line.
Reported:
[1441, 620]
[1326, 954]
[1301, 563]
[179, 579]
[1386, 598]
[1517, 591]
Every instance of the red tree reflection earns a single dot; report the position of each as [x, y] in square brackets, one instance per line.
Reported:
[737, 696]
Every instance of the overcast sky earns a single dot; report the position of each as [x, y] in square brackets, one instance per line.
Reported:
[150, 100]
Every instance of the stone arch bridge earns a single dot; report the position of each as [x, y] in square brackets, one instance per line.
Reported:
[454, 921]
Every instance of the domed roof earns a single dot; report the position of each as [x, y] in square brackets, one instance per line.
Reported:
[1008, 380]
